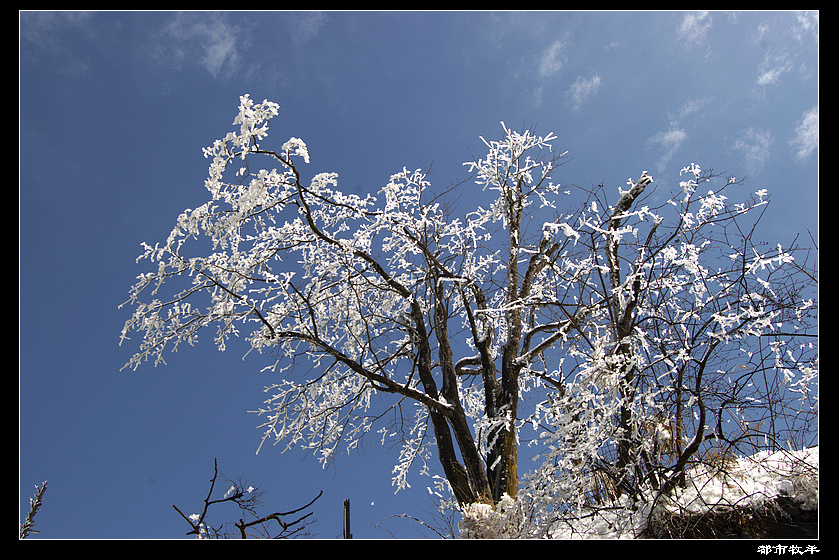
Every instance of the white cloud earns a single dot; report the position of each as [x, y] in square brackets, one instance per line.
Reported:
[806, 139]
[582, 89]
[671, 141]
[551, 61]
[808, 23]
[47, 32]
[695, 27]
[43, 29]
[755, 147]
[306, 25]
[536, 96]
[773, 65]
[203, 37]
[218, 52]
[762, 32]
[692, 106]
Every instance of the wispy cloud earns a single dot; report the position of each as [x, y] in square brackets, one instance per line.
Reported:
[47, 33]
[305, 25]
[674, 137]
[205, 38]
[549, 63]
[670, 141]
[690, 107]
[754, 144]
[773, 65]
[808, 23]
[582, 89]
[552, 59]
[42, 30]
[694, 27]
[806, 139]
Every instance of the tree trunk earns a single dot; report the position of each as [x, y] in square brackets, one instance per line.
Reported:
[623, 306]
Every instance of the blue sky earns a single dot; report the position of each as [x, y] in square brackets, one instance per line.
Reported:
[116, 106]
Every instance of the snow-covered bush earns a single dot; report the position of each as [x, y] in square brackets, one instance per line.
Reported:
[487, 521]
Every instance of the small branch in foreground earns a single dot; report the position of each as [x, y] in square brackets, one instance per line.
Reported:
[247, 500]
[34, 503]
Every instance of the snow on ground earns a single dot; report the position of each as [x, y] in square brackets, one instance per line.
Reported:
[746, 482]
[754, 480]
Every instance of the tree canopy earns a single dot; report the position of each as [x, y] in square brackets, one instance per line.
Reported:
[630, 335]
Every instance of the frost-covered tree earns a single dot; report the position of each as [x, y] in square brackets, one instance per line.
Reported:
[627, 339]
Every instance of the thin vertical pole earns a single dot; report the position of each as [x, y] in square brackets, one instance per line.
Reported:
[347, 534]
